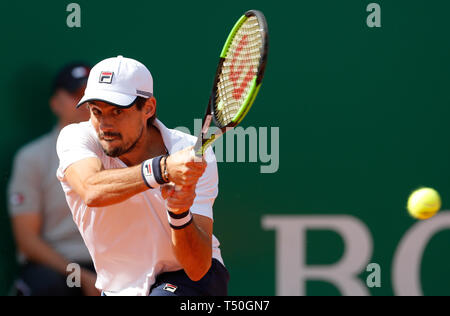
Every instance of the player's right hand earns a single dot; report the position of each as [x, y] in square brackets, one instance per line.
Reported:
[184, 168]
[178, 200]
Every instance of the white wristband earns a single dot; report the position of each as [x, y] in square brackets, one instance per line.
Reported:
[149, 175]
[179, 221]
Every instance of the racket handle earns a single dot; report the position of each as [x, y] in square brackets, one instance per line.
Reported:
[198, 147]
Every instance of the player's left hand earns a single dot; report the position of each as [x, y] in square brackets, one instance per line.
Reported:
[179, 199]
[184, 168]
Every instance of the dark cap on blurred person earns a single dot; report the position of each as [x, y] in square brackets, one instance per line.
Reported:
[72, 77]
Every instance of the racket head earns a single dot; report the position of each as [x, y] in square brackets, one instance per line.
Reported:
[240, 71]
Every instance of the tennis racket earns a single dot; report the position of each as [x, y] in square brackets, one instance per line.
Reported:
[238, 78]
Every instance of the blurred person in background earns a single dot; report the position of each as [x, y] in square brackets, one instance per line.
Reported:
[46, 236]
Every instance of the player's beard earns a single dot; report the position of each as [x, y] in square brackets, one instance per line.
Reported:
[121, 150]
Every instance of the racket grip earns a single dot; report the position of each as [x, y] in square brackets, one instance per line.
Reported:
[197, 155]
[197, 150]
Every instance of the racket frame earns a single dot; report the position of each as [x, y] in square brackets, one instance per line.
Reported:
[203, 142]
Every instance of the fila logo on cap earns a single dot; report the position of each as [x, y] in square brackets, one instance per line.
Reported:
[106, 77]
[118, 81]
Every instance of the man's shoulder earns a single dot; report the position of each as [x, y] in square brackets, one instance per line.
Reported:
[178, 135]
[77, 139]
[77, 128]
[77, 132]
[181, 140]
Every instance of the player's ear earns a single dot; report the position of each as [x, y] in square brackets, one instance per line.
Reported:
[150, 107]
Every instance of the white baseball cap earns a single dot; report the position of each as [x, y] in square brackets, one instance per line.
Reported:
[118, 81]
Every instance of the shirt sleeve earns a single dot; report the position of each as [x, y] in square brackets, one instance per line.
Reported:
[75, 143]
[24, 188]
[207, 188]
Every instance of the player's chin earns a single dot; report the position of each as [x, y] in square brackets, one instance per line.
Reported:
[110, 149]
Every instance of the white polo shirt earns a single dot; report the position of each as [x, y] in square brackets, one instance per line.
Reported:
[130, 242]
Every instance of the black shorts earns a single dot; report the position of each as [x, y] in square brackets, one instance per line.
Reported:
[177, 283]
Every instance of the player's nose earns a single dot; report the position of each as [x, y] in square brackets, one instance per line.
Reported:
[106, 125]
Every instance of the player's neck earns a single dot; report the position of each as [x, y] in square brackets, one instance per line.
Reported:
[149, 145]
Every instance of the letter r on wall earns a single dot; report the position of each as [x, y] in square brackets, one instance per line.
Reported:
[291, 269]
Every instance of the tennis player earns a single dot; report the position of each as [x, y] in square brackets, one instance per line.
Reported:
[118, 171]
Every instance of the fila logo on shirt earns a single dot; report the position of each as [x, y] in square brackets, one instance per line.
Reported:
[106, 77]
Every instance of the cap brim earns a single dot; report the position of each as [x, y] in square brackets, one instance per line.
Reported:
[111, 97]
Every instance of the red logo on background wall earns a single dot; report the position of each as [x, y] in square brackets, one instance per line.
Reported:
[16, 199]
[106, 77]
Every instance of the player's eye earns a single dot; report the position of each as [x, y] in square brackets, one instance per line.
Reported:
[117, 112]
[96, 112]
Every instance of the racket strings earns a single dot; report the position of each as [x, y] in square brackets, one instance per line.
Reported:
[239, 69]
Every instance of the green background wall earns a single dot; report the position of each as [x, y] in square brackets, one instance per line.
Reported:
[362, 113]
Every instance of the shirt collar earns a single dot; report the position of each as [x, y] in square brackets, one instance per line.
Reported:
[166, 135]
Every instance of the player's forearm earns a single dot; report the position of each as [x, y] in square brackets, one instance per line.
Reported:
[193, 249]
[113, 186]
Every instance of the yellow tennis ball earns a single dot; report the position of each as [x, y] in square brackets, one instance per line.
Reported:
[424, 203]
